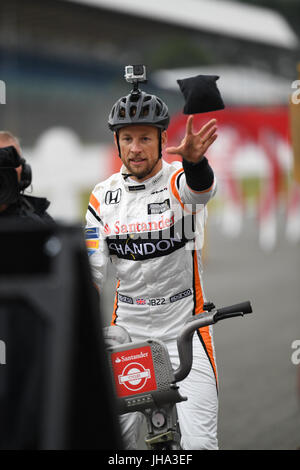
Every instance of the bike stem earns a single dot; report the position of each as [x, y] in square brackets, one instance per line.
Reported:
[185, 345]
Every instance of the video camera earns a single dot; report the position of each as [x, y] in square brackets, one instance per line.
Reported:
[135, 74]
[10, 187]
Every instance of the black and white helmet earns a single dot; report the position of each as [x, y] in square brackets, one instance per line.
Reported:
[139, 108]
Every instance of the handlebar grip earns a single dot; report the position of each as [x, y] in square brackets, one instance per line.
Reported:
[233, 310]
[244, 307]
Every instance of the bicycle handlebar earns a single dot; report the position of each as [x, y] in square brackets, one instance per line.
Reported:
[184, 340]
[233, 310]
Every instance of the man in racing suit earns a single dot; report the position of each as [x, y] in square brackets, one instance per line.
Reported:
[148, 219]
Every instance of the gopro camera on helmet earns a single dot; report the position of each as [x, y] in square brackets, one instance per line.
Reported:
[135, 73]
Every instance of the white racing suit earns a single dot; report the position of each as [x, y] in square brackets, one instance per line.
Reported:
[153, 234]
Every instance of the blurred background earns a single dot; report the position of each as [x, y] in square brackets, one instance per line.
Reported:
[62, 64]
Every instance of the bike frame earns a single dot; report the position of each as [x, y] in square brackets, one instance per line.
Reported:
[145, 381]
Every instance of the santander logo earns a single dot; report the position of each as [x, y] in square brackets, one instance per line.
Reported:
[137, 227]
[107, 230]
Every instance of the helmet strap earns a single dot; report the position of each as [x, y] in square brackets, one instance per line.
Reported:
[159, 144]
[118, 143]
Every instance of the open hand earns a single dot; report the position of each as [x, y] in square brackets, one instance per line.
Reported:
[194, 145]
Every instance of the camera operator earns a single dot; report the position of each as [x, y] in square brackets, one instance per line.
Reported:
[20, 327]
[15, 177]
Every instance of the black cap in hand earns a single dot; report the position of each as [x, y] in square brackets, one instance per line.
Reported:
[201, 94]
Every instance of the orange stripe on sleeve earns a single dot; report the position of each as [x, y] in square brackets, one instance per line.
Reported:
[95, 203]
[114, 316]
[173, 186]
[176, 193]
[204, 332]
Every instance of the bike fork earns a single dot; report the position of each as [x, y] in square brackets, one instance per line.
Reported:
[163, 428]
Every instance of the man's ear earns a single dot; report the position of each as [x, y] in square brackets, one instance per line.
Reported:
[164, 138]
[115, 139]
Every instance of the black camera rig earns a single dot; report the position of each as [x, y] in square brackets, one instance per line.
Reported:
[10, 187]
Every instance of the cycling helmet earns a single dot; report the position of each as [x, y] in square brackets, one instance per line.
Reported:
[139, 108]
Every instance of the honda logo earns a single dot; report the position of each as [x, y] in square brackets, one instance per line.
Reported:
[113, 197]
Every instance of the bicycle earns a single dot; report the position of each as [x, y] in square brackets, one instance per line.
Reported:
[145, 381]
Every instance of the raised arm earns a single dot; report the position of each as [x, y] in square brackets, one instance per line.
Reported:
[196, 184]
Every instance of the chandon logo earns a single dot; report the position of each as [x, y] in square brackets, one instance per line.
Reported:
[142, 249]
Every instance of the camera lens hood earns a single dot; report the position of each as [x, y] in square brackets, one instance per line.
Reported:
[9, 186]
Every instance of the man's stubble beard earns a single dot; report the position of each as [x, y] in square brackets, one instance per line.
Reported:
[145, 173]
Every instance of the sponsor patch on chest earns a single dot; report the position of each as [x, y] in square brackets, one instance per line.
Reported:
[159, 207]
